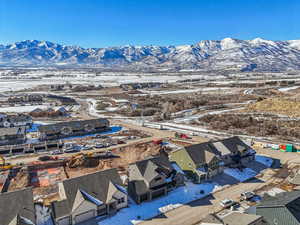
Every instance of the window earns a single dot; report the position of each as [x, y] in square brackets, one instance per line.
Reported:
[157, 179]
[121, 200]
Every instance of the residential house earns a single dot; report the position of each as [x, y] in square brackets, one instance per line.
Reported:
[32, 98]
[282, 209]
[234, 218]
[205, 160]
[238, 218]
[200, 161]
[152, 178]
[12, 135]
[85, 197]
[234, 152]
[15, 120]
[63, 99]
[17, 208]
[50, 112]
[72, 128]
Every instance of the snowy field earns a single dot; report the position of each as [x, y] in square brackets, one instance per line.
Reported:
[29, 108]
[223, 89]
[106, 80]
[288, 88]
[22, 109]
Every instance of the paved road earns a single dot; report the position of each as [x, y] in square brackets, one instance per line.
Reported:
[192, 213]
[153, 132]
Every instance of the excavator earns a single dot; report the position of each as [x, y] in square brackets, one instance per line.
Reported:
[88, 159]
[4, 165]
[79, 159]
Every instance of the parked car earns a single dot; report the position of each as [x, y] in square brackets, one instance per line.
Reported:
[121, 142]
[227, 203]
[72, 147]
[86, 147]
[247, 195]
[71, 150]
[56, 152]
[106, 145]
[47, 158]
[101, 136]
[99, 145]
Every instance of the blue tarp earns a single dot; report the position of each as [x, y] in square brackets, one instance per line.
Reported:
[33, 127]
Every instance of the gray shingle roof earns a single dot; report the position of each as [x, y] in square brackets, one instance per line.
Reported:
[202, 153]
[234, 144]
[75, 125]
[12, 131]
[284, 208]
[95, 184]
[17, 203]
[18, 118]
[161, 164]
[150, 168]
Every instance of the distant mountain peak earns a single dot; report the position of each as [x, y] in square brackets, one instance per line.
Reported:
[230, 54]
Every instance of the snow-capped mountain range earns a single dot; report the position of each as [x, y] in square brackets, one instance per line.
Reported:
[245, 55]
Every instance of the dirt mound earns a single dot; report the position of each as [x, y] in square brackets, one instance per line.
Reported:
[288, 107]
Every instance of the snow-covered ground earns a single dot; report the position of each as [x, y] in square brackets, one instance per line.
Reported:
[29, 108]
[135, 214]
[264, 160]
[22, 109]
[239, 175]
[43, 216]
[223, 89]
[182, 195]
[288, 88]
[78, 77]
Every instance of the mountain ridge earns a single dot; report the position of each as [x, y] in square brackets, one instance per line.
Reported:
[243, 55]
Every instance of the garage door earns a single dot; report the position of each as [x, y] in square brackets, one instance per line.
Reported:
[64, 221]
[158, 193]
[84, 216]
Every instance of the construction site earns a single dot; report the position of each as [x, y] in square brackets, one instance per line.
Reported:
[62, 139]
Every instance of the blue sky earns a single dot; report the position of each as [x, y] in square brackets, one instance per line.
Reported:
[101, 23]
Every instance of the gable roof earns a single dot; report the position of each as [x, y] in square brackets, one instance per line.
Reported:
[284, 207]
[12, 131]
[18, 118]
[96, 185]
[19, 220]
[17, 205]
[154, 165]
[233, 144]
[202, 153]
